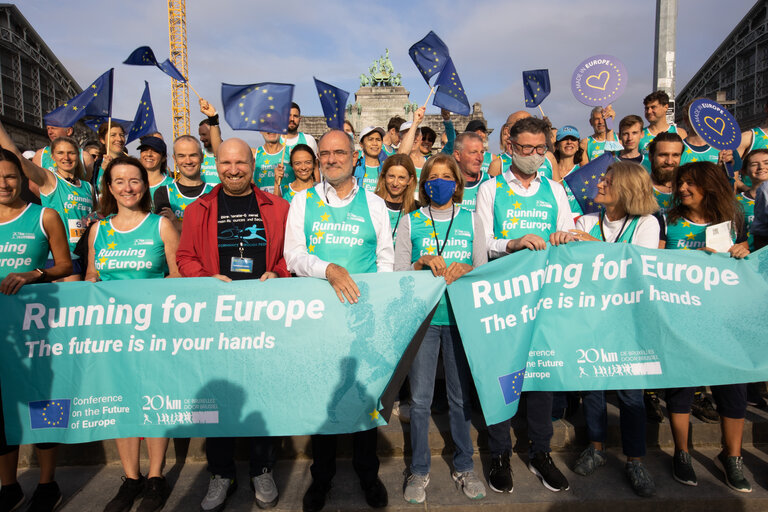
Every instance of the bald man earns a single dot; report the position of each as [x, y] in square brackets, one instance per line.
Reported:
[235, 232]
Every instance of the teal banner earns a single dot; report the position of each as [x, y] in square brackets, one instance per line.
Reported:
[198, 357]
[611, 316]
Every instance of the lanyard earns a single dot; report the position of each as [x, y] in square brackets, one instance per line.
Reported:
[623, 225]
[397, 221]
[448, 232]
[241, 244]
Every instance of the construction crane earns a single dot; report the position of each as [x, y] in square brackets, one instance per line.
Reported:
[177, 38]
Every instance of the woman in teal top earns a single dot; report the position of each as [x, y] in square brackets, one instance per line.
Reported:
[756, 167]
[65, 190]
[27, 232]
[447, 240]
[567, 154]
[114, 255]
[303, 161]
[703, 196]
[397, 186]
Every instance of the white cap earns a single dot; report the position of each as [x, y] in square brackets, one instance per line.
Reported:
[371, 129]
[404, 127]
[29, 155]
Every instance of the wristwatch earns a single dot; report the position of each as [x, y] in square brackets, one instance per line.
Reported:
[43, 274]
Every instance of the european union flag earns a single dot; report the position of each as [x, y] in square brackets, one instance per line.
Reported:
[144, 56]
[94, 122]
[95, 100]
[49, 414]
[144, 121]
[450, 93]
[583, 181]
[261, 107]
[512, 385]
[430, 55]
[333, 100]
[141, 56]
[535, 86]
[169, 69]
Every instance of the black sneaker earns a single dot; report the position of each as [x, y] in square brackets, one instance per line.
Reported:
[314, 498]
[46, 498]
[754, 398]
[129, 491]
[375, 493]
[11, 497]
[682, 469]
[500, 474]
[544, 467]
[703, 409]
[653, 411]
[156, 494]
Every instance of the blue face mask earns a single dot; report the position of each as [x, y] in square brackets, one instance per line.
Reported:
[440, 191]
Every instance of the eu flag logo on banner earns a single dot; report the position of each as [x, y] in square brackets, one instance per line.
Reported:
[144, 121]
[261, 107]
[450, 93]
[144, 56]
[535, 86]
[49, 413]
[334, 101]
[512, 385]
[430, 55]
[95, 100]
[583, 181]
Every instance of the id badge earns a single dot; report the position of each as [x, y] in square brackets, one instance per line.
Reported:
[244, 265]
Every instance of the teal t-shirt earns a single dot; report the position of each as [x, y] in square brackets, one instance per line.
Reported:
[23, 242]
[469, 200]
[135, 254]
[343, 235]
[487, 159]
[648, 137]
[264, 171]
[73, 203]
[686, 235]
[664, 199]
[749, 215]
[179, 201]
[208, 169]
[430, 237]
[595, 148]
[626, 234]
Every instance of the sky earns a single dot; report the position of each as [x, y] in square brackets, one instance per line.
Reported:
[491, 43]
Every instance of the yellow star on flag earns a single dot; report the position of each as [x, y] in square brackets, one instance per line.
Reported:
[374, 415]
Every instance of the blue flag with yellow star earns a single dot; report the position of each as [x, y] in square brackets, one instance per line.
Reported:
[430, 55]
[583, 181]
[144, 56]
[95, 100]
[94, 122]
[535, 86]
[263, 107]
[144, 120]
[511, 385]
[334, 101]
[49, 413]
[450, 93]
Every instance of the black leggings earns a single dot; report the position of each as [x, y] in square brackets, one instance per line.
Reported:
[731, 400]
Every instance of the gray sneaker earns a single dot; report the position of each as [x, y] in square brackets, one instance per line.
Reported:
[640, 479]
[468, 482]
[589, 460]
[264, 489]
[219, 489]
[416, 488]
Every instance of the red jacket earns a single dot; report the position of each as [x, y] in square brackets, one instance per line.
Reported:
[198, 253]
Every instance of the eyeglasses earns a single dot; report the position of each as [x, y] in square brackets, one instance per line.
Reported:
[527, 149]
[336, 152]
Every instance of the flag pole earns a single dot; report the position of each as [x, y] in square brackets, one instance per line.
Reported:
[194, 91]
[432, 90]
[542, 111]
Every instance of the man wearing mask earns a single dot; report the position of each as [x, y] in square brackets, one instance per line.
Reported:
[523, 210]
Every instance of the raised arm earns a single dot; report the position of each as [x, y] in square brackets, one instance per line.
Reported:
[406, 145]
[41, 177]
[208, 111]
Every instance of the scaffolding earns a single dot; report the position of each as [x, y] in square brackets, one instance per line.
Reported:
[177, 38]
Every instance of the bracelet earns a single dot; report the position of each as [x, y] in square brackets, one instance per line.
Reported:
[43, 274]
[213, 120]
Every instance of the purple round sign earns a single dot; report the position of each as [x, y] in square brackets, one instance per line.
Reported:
[599, 80]
[713, 123]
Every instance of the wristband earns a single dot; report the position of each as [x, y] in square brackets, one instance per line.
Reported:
[213, 120]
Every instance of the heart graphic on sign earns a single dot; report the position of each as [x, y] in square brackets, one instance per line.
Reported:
[712, 122]
[597, 79]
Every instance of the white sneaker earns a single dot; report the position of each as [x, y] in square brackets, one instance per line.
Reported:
[416, 488]
[264, 490]
[468, 482]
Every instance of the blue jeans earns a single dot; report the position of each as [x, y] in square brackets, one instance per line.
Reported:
[631, 419]
[422, 378]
